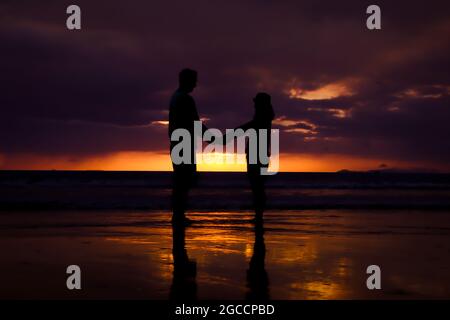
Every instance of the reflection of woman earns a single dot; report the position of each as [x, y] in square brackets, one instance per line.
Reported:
[257, 278]
[184, 286]
[262, 119]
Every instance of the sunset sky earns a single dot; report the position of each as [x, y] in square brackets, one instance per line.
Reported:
[345, 97]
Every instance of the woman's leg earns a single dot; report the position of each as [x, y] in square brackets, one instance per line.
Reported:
[257, 184]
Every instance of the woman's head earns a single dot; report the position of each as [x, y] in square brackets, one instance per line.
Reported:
[263, 107]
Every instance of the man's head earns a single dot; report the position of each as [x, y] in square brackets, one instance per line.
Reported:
[187, 79]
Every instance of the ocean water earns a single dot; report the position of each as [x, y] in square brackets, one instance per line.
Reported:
[222, 191]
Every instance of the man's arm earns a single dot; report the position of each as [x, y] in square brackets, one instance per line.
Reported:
[197, 118]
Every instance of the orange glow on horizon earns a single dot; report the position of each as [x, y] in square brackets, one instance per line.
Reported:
[159, 161]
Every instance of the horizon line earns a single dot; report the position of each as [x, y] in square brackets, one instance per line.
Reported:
[393, 170]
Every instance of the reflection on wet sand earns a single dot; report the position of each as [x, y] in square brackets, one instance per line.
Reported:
[257, 278]
[184, 286]
[222, 255]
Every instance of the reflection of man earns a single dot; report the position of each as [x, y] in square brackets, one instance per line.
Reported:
[182, 115]
[184, 286]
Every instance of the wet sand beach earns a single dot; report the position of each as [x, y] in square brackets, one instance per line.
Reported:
[311, 254]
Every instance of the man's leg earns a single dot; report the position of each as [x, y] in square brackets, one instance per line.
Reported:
[179, 194]
[183, 179]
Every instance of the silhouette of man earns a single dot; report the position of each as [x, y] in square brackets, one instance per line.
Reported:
[182, 115]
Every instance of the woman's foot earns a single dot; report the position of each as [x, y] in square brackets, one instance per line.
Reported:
[181, 221]
[258, 219]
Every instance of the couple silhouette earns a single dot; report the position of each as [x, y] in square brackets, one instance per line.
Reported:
[182, 115]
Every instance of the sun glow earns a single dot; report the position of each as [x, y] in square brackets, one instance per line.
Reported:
[218, 161]
[160, 161]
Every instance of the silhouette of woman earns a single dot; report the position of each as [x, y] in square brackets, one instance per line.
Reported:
[262, 119]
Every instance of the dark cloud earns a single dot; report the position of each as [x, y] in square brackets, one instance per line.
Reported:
[98, 90]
